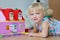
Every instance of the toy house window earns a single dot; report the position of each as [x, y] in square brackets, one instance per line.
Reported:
[21, 25]
[20, 16]
[13, 28]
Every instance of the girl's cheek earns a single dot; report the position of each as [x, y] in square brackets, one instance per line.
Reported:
[31, 17]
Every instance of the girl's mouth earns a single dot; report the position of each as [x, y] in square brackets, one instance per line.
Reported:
[35, 19]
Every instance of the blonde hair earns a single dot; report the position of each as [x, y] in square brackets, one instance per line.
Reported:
[38, 6]
[47, 11]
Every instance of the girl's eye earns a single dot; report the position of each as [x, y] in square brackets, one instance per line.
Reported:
[37, 13]
[31, 14]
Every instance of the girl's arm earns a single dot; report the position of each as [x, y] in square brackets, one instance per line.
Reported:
[45, 28]
[34, 28]
[44, 33]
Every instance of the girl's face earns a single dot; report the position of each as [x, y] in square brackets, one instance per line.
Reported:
[36, 15]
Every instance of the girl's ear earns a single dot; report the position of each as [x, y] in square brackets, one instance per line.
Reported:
[44, 13]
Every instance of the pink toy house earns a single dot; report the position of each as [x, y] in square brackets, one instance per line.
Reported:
[13, 22]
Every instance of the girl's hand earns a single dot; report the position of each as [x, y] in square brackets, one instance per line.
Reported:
[31, 34]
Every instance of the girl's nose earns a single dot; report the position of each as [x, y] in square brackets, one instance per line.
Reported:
[34, 16]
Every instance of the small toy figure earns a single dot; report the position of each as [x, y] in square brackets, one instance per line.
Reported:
[11, 16]
[19, 16]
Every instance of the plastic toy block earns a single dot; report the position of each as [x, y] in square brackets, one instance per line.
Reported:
[1, 36]
[25, 33]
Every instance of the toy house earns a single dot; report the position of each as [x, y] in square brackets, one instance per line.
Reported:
[13, 22]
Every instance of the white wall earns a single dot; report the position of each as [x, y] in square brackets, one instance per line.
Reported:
[21, 4]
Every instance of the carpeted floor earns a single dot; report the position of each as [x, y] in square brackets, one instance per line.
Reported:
[30, 38]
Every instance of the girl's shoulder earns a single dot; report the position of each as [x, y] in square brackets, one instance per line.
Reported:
[45, 19]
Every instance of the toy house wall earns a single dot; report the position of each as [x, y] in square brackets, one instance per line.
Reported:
[18, 29]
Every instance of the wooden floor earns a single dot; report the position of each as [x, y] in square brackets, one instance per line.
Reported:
[30, 38]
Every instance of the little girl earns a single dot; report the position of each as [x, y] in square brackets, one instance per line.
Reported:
[45, 26]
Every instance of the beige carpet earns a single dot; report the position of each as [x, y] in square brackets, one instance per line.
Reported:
[30, 38]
